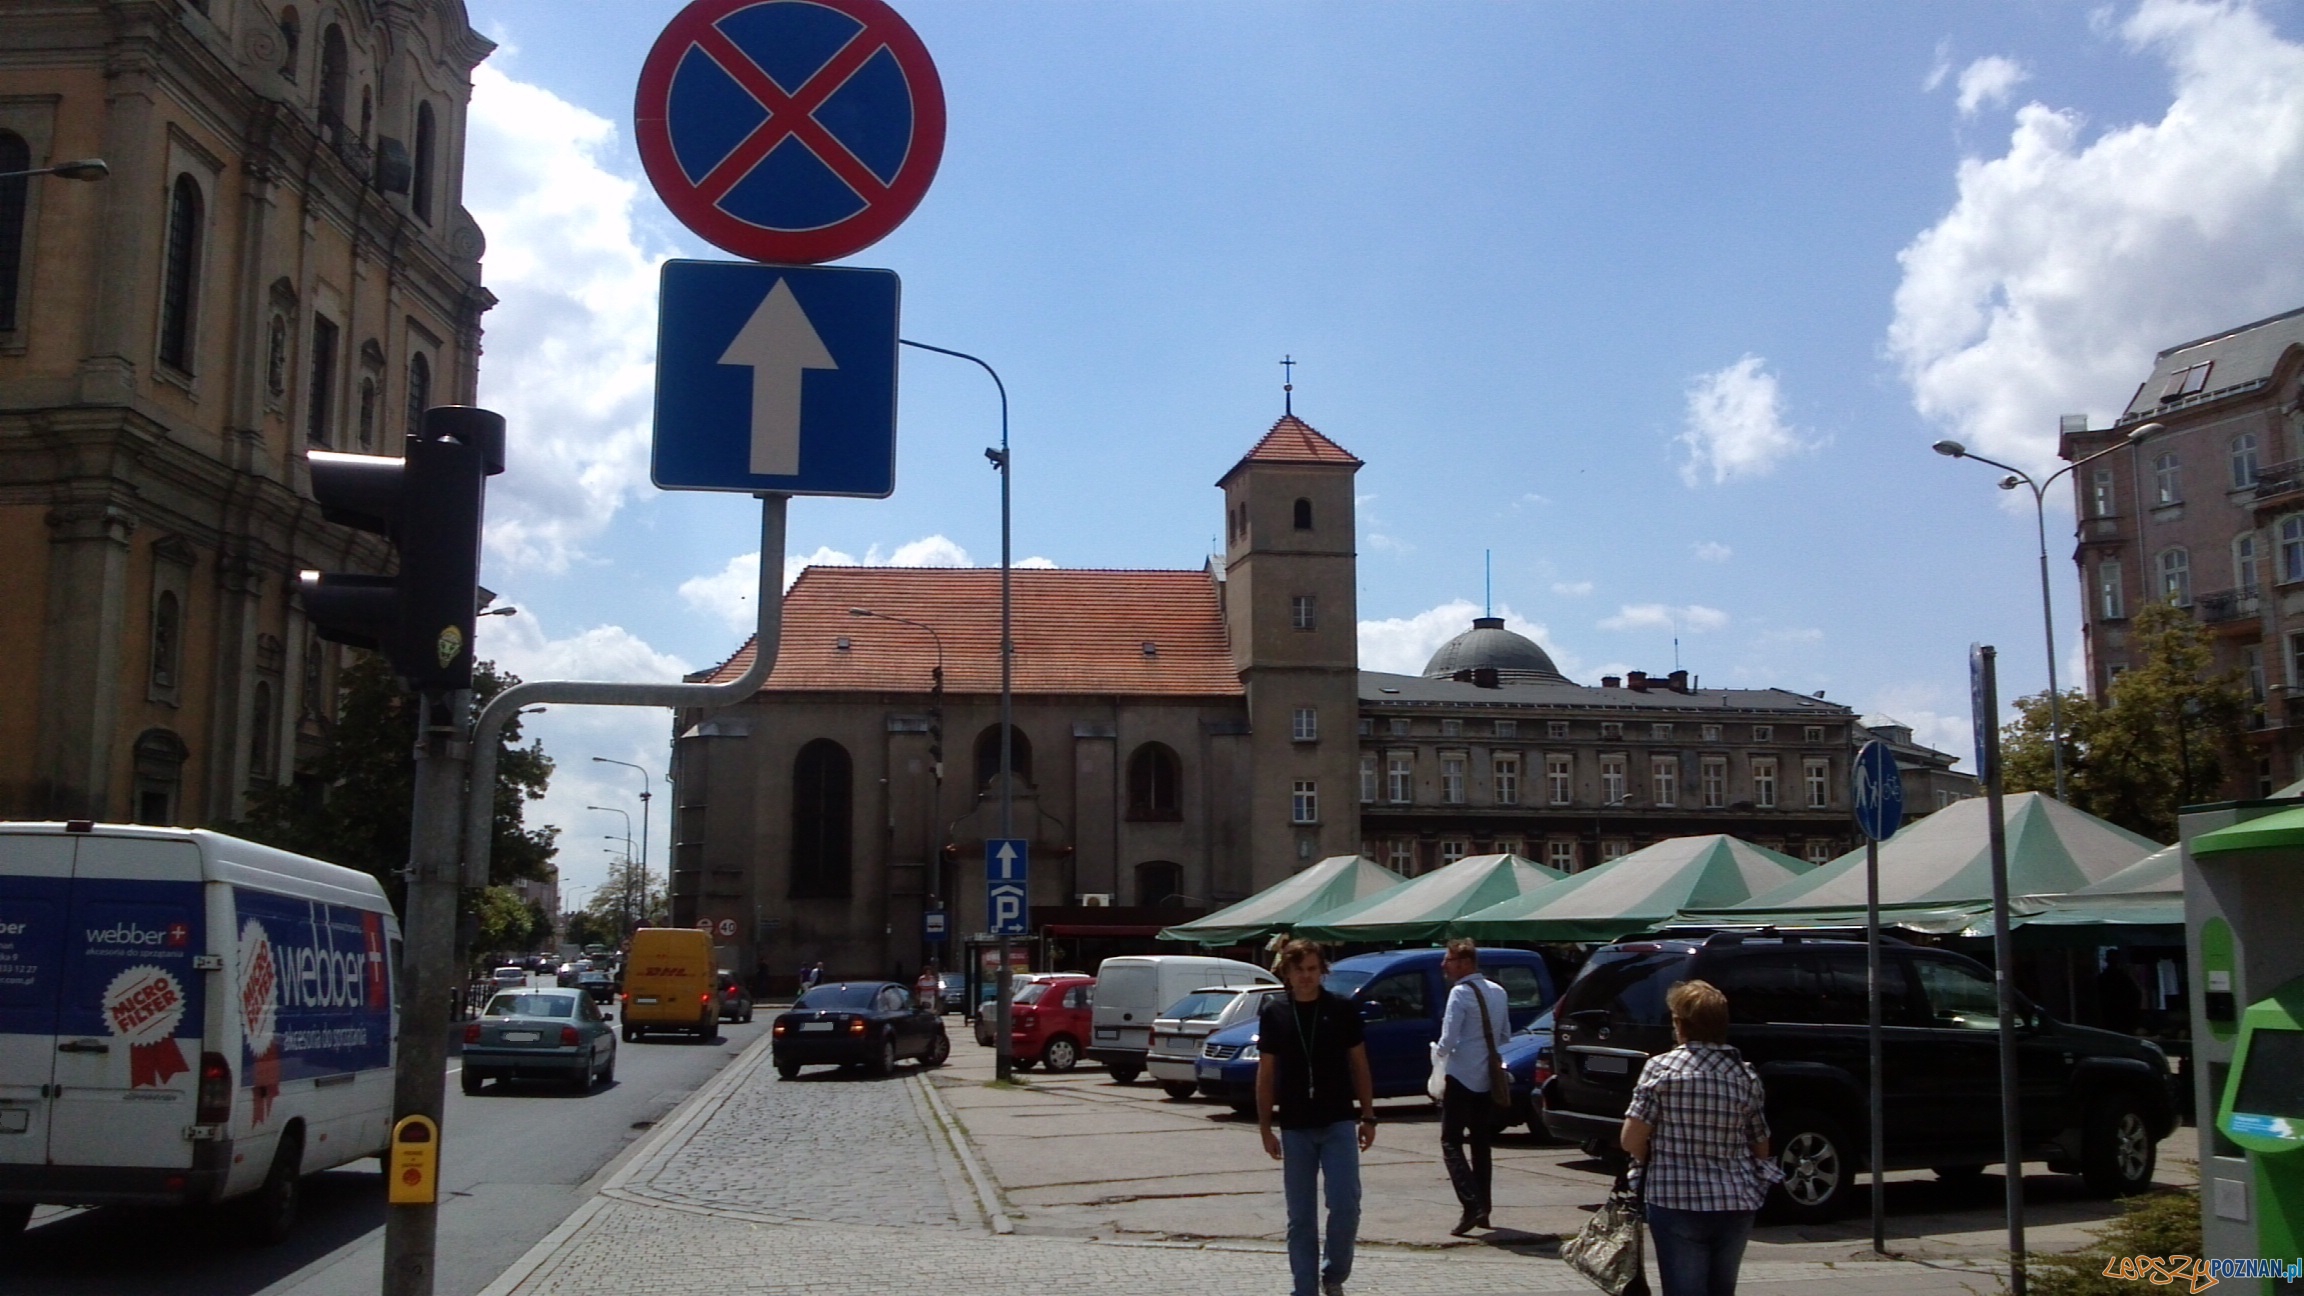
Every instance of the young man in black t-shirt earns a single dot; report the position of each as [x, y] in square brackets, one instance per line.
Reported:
[1312, 1074]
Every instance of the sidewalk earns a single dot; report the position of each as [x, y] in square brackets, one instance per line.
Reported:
[842, 1186]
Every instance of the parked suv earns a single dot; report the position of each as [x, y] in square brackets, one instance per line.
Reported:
[2092, 1101]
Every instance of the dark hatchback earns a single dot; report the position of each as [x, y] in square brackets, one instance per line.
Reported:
[857, 1023]
[2091, 1101]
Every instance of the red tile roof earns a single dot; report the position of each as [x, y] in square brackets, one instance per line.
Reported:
[1294, 441]
[1077, 631]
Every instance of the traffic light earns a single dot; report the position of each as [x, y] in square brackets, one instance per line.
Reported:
[429, 505]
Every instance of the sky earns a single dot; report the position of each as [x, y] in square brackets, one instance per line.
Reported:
[1660, 305]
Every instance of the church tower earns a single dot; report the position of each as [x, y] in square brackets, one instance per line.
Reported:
[1289, 606]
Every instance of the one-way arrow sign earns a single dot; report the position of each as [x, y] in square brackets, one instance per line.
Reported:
[776, 379]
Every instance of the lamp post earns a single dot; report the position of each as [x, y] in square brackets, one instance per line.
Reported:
[627, 880]
[935, 748]
[83, 169]
[1004, 1060]
[646, 782]
[2017, 476]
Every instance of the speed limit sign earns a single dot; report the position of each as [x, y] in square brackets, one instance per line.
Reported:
[727, 926]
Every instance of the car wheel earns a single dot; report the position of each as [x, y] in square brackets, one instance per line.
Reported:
[628, 1033]
[608, 1072]
[939, 1050]
[885, 1063]
[2116, 1150]
[1124, 1072]
[1179, 1089]
[269, 1213]
[787, 1070]
[472, 1082]
[1818, 1168]
[1959, 1176]
[1061, 1054]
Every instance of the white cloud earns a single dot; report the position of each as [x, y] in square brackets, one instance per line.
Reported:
[1939, 69]
[1711, 551]
[2067, 262]
[1036, 562]
[1382, 543]
[1401, 645]
[1736, 424]
[1694, 618]
[728, 592]
[1572, 589]
[1988, 82]
[1788, 635]
[928, 551]
[571, 344]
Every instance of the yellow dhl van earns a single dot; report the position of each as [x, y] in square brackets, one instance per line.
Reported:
[668, 983]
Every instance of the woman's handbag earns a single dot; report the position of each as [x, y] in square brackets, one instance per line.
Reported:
[1607, 1250]
[1499, 1080]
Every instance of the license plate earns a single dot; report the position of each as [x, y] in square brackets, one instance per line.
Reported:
[522, 1037]
[1603, 1064]
[1107, 1033]
[815, 1026]
[646, 999]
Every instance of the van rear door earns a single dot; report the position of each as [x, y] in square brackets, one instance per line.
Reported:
[35, 891]
[128, 1031]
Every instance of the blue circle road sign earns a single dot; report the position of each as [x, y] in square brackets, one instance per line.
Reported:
[790, 130]
[1879, 791]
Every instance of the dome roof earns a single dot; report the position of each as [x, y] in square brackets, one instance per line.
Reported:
[1515, 658]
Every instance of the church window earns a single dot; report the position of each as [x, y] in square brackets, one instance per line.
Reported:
[1303, 612]
[15, 155]
[821, 802]
[420, 183]
[1160, 883]
[988, 755]
[1154, 775]
[419, 392]
[167, 639]
[180, 277]
[1303, 515]
[319, 401]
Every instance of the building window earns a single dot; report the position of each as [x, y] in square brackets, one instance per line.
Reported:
[1561, 855]
[988, 755]
[2100, 496]
[1303, 612]
[2110, 601]
[2167, 484]
[2188, 381]
[1507, 728]
[1817, 773]
[260, 732]
[1367, 727]
[321, 396]
[1451, 850]
[333, 58]
[1764, 782]
[1368, 778]
[2245, 564]
[1507, 771]
[821, 799]
[2176, 576]
[1611, 729]
[1555, 728]
[291, 37]
[1451, 728]
[1660, 733]
[1401, 855]
[159, 757]
[1711, 733]
[1452, 778]
[2292, 548]
[314, 665]
[1400, 778]
[1303, 515]
[1154, 777]
[1664, 779]
[367, 413]
[419, 392]
[1557, 771]
[2295, 660]
[1160, 882]
[1304, 803]
[1763, 733]
[1712, 781]
[1943, 798]
[276, 356]
[1613, 849]
[167, 639]
[1305, 725]
[2244, 463]
[1612, 787]
[1508, 846]
[15, 195]
[2252, 668]
[420, 183]
[180, 279]
[1397, 726]
[1812, 734]
[1818, 851]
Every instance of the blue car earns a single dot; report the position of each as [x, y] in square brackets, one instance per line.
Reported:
[1400, 996]
[1528, 1060]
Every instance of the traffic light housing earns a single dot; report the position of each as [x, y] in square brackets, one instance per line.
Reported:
[429, 504]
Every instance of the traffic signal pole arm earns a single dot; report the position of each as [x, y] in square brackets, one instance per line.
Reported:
[487, 732]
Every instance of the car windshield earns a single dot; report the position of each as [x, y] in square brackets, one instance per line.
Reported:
[532, 1005]
[839, 996]
[1343, 981]
[1200, 1005]
[1627, 983]
[1244, 1005]
[1031, 993]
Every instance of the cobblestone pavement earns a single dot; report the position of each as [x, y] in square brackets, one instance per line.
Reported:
[841, 1187]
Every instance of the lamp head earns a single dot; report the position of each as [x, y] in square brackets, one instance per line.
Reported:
[2147, 430]
[2011, 482]
[84, 169]
[1950, 449]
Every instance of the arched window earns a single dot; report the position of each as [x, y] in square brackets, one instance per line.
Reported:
[159, 766]
[334, 58]
[420, 185]
[320, 401]
[821, 799]
[167, 639]
[988, 755]
[367, 412]
[1303, 515]
[291, 41]
[276, 356]
[1154, 775]
[419, 391]
[2176, 576]
[15, 155]
[180, 280]
[260, 732]
[1160, 883]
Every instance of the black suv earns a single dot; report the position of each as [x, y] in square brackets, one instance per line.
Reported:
[2092, 1101]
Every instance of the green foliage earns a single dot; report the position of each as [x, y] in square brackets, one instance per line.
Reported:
[586, 928]
[2160, 1225]
[2164, 738]
[628, 898]
[506, 922]
[351, 804]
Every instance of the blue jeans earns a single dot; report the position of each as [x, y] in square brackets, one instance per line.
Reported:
[1330, 1152]
[1698, 1252]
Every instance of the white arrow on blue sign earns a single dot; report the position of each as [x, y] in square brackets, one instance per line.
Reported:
[1879, 791]
[1007, 878]
[776, 378]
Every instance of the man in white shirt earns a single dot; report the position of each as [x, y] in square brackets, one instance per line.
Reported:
[1469, 1037]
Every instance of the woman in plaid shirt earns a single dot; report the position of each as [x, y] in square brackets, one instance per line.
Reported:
[1696, 1129]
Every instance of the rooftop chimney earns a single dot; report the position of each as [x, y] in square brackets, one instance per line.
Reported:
[1679, 680]
[1637, 681]
[1610, 681]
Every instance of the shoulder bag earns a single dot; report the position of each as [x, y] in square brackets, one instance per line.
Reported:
[1499, 1080]
[1607, 1250]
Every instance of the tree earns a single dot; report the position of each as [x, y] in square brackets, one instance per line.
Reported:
[586, 928]
[2164, 737]
[628, 898]
[506, 922]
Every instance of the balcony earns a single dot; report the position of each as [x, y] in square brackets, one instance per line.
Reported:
[2234, 607]
[2280, 483]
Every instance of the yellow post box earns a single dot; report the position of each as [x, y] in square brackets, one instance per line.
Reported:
[415, 1166]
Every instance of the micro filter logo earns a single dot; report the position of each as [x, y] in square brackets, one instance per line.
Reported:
[173, 936]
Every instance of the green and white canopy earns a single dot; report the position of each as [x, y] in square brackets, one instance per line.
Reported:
[1333, 882]
[1638, 892]
[1421, 909]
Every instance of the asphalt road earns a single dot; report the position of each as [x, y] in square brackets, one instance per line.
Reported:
[515, 1161]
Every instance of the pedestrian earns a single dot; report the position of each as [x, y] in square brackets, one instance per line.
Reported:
[928, 990]
[1312, 1074]
[1473, 1030]
[1695, 1131]
[2118, 996]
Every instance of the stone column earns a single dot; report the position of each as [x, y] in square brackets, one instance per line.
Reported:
[80, 660]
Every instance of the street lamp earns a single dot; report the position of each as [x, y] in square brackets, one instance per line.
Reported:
[2017, 476]
[83, 169]
[645, 784]
[627, 888]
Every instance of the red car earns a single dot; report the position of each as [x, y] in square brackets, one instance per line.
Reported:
[1049, 1022]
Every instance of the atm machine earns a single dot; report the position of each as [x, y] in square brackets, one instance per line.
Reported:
[2244, 936]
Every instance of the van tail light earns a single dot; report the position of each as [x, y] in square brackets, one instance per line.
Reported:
[704, 998]
[569, 1038]
[214, 1106]
[625, 997]
[471, 1032]
[855, 1025]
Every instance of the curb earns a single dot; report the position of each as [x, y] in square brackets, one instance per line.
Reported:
[986, 1195]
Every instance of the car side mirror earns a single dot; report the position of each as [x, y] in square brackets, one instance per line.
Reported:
[1370, 1010]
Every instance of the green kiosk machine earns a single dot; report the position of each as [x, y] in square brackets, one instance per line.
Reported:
[2244, 932]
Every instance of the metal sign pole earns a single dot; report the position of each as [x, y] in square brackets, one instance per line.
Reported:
[1985, 689]
[1872, 1043]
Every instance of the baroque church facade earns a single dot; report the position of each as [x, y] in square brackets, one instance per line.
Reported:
[1183, 739]
[277, 263]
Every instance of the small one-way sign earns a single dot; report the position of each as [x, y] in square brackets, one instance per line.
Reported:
[1007, 881]
[776, 379]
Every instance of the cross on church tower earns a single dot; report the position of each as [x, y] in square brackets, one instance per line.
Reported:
[1287, 384]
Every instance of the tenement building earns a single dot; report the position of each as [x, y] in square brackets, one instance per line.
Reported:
[278, 262]
[1183, 739]
[2206, 512]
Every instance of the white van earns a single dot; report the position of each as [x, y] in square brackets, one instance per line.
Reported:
[1132, 989]
[186, 1018]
